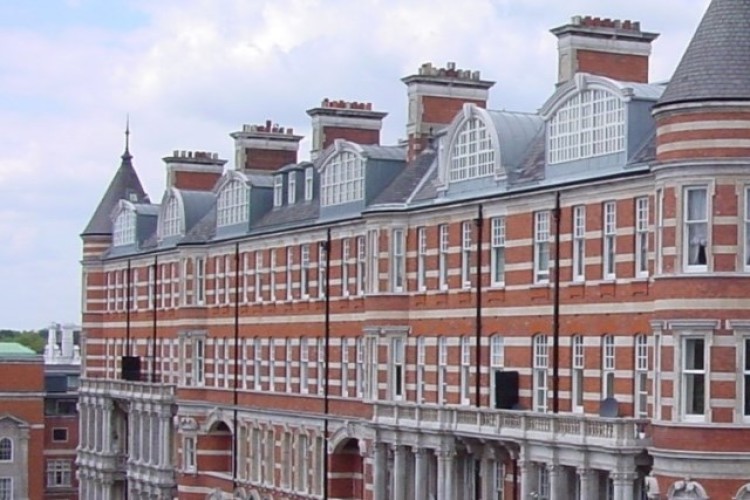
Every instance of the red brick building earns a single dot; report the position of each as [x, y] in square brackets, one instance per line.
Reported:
[38, 424]
[508, 305]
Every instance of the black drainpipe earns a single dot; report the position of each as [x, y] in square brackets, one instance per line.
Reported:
[326, 374]
[556, 314]
[235, 386]
[127, 313]
[154, 318]
[479, 221]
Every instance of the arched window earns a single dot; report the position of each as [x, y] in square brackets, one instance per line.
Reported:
[172, 218]
[124, 228]
[232, 205]
[591, 123]
[6, 450]
[342, 180]
[472, 155]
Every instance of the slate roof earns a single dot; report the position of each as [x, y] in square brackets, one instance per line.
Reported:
[716, 64]
[402, 187]
[290, 214]
[377, 152]
[204, 230]
[124, 184]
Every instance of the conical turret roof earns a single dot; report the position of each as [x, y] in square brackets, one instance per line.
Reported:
[125, 185]
[716, 65]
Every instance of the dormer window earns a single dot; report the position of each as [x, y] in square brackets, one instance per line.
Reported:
[342, 179]
[233, 204]
[171, 222]
[308, 183]
[472, 155]
[291, 188]
[591, 123]
[278, 190]
[123, 232]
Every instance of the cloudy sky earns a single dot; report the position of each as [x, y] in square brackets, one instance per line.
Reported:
[189, 72]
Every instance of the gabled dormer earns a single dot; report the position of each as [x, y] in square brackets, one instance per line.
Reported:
[481, 148]
[241, 199]
[132, 223]
[595, 125]
[352, 175]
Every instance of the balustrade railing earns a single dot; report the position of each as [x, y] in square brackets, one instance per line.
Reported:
[568, 428]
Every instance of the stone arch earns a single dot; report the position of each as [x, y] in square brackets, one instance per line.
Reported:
[346, 469]
[743, 493]
[687, 489]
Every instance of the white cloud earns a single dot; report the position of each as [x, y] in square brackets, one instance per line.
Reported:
[195, 70]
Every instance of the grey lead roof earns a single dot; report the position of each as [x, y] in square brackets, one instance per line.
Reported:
[407, 181]
[716, 64]
[125, 185]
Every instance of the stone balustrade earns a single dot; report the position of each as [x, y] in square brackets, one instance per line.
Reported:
[561, 428]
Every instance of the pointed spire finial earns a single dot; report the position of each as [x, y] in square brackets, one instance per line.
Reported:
[126, 155]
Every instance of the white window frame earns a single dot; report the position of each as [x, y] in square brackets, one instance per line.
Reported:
[258, 282]
[497, 363]
[361, 264]
[304, 281]
[320, 368]
[6, 492]
[359, 353]
[591, 123]
[578, 373]
[746, 230]
[579, 243]
[641, 236]
[123, 230]
[690, 223]
[189, 454]
[609, 358]
[465, 377]
[398, 260]
[304, 365]
[442, 366]
[289, 276]
[466, 244]
[59, 473]
[443, 249]
[278, 190]
[291, 188]
[218, 279]
[257, 364]
[199, 362]
[397, 356]
[272, 274]
[322, 270]
[373, 261]
[171, 223]
[472, 154]
[421, 258]
[233, 203]
[199, 287]
[497, 255]
[344, 367]
[641, 377]
[659, 233]
[288, 360]
[609, 240]
[420, 369]
[8, 450]
[342, 179]
[745, 360]
[686, 374]
[345, 256]
[308, 183]
[543, 482]
[271, 364]
[541, 247]
[540, 377]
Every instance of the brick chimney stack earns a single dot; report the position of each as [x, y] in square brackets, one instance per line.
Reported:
[605, 47]
[351, 121]
[435, 96]
[265, 148]
[193, 170]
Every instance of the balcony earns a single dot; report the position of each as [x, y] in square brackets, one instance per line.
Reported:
[127, 389]
[564, 429]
